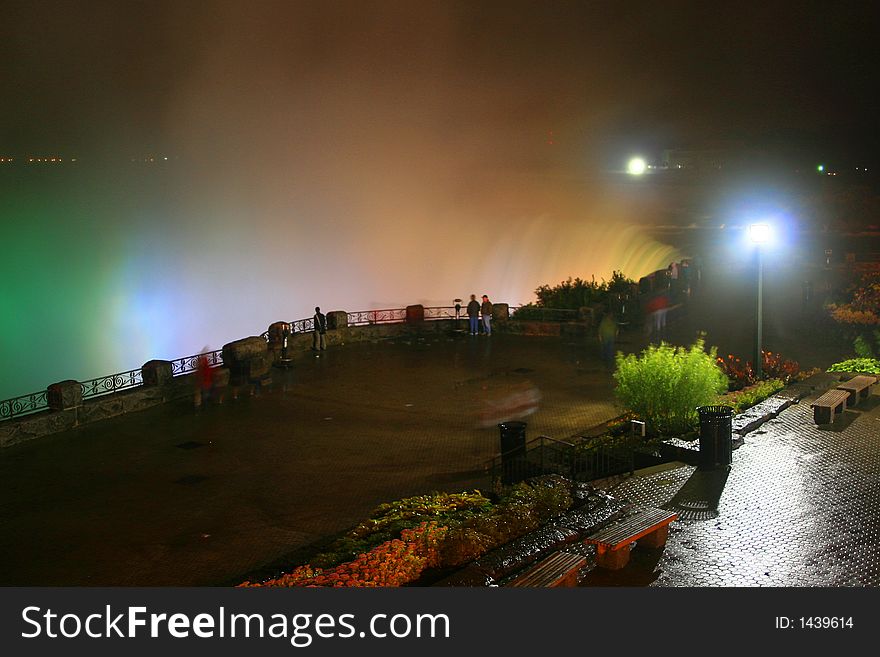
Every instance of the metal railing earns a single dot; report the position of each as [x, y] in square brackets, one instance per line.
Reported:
[191, 363]
[24, 405]
[366, 317]
[577, 461]
[104, 385]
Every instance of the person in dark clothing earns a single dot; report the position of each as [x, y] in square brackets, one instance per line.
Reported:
[319, 340]
[473, 311]
[486, 311]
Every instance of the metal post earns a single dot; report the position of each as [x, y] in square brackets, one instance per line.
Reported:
[759, 360]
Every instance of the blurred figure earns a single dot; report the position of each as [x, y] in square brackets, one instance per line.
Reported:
[204, 379]
[486, 310]
[655, 320]
[518, 402]
[607, 335]
[319, 341]
[686, 277]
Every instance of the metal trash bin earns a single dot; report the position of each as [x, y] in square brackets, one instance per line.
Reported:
[716, 436]
[513, 449]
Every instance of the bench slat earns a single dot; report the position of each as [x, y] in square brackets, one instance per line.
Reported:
[632, 528]
[831, 399]
[551, 570]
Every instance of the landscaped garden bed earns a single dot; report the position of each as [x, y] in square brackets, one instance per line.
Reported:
[456, 539]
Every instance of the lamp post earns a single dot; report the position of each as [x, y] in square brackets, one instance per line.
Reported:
[759, 234]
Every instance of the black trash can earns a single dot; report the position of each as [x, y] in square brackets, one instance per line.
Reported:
[716, 436]
[513, 450]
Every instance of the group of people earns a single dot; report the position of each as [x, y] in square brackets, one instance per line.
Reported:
[476, 311]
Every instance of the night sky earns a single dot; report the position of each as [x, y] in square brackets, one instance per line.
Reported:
[362, 155]
[247, 77]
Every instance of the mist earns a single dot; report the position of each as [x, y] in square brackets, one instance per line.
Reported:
[359, 164]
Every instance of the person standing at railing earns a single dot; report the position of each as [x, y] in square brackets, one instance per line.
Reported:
[486, 310]
[204, 379]
[319, 339]
[473, 311]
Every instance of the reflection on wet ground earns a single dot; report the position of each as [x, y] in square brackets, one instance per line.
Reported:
[797, 508]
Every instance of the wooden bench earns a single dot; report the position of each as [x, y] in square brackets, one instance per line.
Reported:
[649, 527]
[559, 569]
[826, 406]
[858, 387]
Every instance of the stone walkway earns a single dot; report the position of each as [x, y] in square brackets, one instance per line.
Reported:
[799, 507]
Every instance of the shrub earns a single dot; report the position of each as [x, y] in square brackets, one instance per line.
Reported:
[753, 394]
[857, 365]
[740, 373]
[388, 520]
[777, 367]
[666, 384]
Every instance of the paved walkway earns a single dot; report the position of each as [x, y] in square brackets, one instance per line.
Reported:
[171, 497]
[799, 507]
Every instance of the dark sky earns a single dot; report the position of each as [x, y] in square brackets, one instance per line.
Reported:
[125, 77]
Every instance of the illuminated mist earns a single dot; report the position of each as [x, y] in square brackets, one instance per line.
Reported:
[303, 172]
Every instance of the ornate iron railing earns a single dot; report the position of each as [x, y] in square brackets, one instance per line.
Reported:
[365, 317]
[104, 385]
[191, 363]
[23, 405]
[303, 325]
[443, 312]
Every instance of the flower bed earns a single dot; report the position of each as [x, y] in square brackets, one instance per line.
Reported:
[402, 539]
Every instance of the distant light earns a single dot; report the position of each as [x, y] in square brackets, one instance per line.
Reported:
[759, 233]
[636, 166]
[820, 168]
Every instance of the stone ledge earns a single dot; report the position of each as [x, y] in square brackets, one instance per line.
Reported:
[754, 417]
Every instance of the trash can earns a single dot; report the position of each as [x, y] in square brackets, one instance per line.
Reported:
[716, 436]
[513, 450]
[513, 439]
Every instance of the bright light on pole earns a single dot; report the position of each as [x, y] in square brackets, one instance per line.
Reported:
[636, 166]
[759, 234]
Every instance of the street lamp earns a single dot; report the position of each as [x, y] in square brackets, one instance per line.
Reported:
[759, 234]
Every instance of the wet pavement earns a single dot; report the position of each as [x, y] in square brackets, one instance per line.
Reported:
[798, 507]
[169, 496]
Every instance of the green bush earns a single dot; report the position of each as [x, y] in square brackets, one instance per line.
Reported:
[665, 385]
[862, 347]
[753, 394]
[857, 365]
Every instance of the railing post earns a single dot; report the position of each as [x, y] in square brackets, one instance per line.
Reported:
[64, 395]
[157, 372]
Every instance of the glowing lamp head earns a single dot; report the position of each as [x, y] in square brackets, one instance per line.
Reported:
[636, 166]
[759, 233]
[820, 168]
